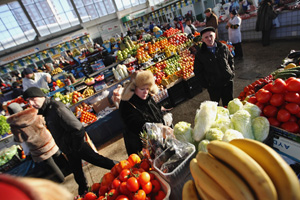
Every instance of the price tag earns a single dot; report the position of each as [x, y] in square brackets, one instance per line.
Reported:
[68, 104]
[79, 98]
[56, 87]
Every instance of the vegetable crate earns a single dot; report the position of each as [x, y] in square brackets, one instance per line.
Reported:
[285, 142]
[180, 174]
[16, 160]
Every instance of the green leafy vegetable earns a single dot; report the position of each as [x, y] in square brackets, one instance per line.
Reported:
[4, 126]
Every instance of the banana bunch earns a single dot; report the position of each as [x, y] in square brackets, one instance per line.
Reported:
[89, 91]
[242, 169]
[56, 71]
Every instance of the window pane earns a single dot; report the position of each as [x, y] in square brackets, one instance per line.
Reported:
[87, 2]
[33, 12]
[92, 11]
[13, 5]
[53, 28]
[26, 2]
[3, 8]
[63, 22]
[18, 35]
[109, 6]
[100, 8]
[142, 1]
[42, 28]
[83, 14]
[134, 2]
[8, 19]
[78, 3]
[6, 40]
[119, 5]
[20, 16]
[72, 18]
[28, 31]
[66, 5]
[2, 27]
[126, 3]
[44, 9]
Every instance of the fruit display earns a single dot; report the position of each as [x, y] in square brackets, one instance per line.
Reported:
[59, 83]
[89, 81]
[170, 32]
[82, 107]
[241, 169]
[4, 128]
[291, 70]
[87, 117]
[70, 98]
[56, 71]
[18, 100]
[89, 91]
[129, 179]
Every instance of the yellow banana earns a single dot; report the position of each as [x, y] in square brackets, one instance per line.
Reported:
[189, 191]
[206, 183]
[225, 177]
[202, 194]
[248, 168]
[282, 175]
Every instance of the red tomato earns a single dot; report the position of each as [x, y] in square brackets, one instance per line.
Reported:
[124, 175]
[274, 122]
[107, 179]
[160, 195]
[114, 171]
[123, 188]
[147, 187]
[101, 198]
[289, 79]
[115, 184]
[270, 111]
[122, 197]
[134, 159]
[293, 85]
[263, 96]
[293, 118]
[90, 196]
[252, 100]
[283, 115]
[151, 176]
[103, 190]
[277, 99]
[293, 108]
[139, 195]
[292, 127]
[279, 86]
[155, 186]
[260, 105]
[144, 178]
[95, 187]
[292, 97]
[132, 184]
[298, 115]
[268, 86]
[112, 194]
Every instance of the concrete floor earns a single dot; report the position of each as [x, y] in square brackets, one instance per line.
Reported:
[258, 62]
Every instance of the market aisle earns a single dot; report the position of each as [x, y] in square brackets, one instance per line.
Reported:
[258, 62]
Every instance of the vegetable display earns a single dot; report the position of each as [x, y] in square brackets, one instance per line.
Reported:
[4, 126]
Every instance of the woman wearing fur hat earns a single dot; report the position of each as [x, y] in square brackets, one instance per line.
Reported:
[138, 107]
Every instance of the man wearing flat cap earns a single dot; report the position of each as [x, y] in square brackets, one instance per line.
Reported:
[68, 134]
[39, 79]
[214, 67]
[211, 20]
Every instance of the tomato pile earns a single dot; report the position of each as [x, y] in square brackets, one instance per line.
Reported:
[128, 180]
[254, 87]
[279, 102]
[87, 117]
[170, 32]
[18, 100]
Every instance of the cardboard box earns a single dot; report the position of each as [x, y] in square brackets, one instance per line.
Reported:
[101, 105]
[286, 142]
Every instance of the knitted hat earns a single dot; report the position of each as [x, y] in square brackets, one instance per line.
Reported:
[142, 78]
[33, 92]
[27, 71]
[207, 29]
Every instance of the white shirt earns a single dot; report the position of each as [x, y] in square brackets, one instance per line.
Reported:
[234, 35]
[40, 81]
[188, 30]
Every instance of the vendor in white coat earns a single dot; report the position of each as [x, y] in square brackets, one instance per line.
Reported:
[234, 33]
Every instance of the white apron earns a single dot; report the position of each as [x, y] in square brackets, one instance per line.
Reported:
[234, 35]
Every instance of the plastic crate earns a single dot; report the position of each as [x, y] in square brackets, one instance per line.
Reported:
[285, 142]
[16, 160]
[164, 185]
[177, 175]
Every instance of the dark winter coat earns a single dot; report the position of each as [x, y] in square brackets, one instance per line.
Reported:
[135, 113]
[214, 70]
[65, 128]
[265, 16]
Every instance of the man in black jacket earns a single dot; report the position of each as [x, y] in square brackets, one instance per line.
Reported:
[214, 67]
[68, 134]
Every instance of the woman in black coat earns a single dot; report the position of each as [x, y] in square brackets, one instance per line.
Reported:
[137, 107]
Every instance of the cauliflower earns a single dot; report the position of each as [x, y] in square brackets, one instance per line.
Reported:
[234, 105]
[231, 134]
[183, 132]
[214, 134]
